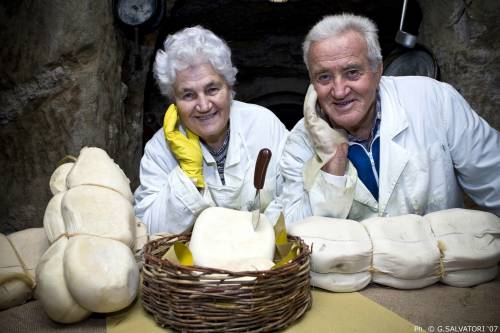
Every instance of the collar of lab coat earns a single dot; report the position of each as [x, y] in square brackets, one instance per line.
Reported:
[393, 156]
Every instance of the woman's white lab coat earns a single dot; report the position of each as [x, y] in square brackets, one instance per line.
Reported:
[432, 144]
[168, 201]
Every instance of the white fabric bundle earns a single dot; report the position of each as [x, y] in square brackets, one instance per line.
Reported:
[15, 283]
[57, 181]
[405, 252]
[30, 244]
[52, 290]
[224, 238]
[95, 167]
[470, 245]
[341, 252]
[97, 210]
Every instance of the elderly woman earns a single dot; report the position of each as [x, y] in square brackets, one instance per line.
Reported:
[205, 154]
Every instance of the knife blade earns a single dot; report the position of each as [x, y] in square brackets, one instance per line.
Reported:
[258, 181]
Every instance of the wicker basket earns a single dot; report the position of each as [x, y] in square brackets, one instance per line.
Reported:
[200, 299]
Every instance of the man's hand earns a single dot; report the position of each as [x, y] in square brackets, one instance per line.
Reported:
[186, 149]
[338, 163]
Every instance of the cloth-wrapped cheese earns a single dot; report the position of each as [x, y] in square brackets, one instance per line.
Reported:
[97, 210]
[338, 246]
[15, 283]
[405, 248]
[469, 239]
[53, 222]
[51, 288]
[57, 181]
[470, 245]
[469, 277]
[224, 238]
[100, 273]
[394, 282]
[30, 244]
[340, 282]
[95, 167]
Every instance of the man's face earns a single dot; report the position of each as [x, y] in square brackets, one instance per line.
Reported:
[344, 81]
[203, 99]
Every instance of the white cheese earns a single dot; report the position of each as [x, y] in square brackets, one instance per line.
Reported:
[95, 167]
[470, 277]
[404, 247]
[53, 222]
[30, 244]
[57, 181]
[100, 273]
[339, 282]
[51, 290]
[469, 239]
[99, 211]
[223, 236]
[340, 246]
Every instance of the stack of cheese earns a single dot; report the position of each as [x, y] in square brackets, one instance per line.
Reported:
[20, 253]
[341, 252]
[90, 224]
[457, 246]
[224, 238]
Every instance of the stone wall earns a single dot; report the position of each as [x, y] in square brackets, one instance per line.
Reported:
[60, 90]
[464, 36]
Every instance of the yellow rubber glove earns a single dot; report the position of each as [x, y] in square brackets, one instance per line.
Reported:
[186, 149]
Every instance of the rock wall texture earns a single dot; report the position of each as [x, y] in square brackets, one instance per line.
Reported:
[464, 36]
[60, 90]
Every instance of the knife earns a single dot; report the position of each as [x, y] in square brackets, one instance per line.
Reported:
[258, 181]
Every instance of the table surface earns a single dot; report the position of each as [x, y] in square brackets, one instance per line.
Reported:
[374, 309]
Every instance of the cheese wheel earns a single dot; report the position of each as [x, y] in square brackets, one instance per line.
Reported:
[95, 167]
[222, 236]
[51, 289]
[339, 282]
[340, 246]
[469, 239]
[57, 182]
[30, 244]
[99, 211]
[403, 247]
[53, 222]
[100, 273]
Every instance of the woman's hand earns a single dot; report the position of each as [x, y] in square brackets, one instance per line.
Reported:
[186, 149]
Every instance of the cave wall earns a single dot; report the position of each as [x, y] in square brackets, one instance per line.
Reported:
[60, 90]
[68, 79]
[464, 36]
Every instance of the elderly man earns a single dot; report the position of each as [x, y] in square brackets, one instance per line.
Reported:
[379, 146]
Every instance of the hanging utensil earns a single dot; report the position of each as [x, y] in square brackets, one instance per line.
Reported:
[258, 181]
[402, 37]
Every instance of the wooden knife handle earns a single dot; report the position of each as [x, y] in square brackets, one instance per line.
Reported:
[261, 168]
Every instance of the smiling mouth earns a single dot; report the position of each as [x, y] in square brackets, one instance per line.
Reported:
[207, 116]
[343, 103]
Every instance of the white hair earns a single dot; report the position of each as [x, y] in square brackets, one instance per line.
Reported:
[335, 25]
[191, 47]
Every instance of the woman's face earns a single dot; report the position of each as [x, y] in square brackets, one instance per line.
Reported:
[203, 99]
